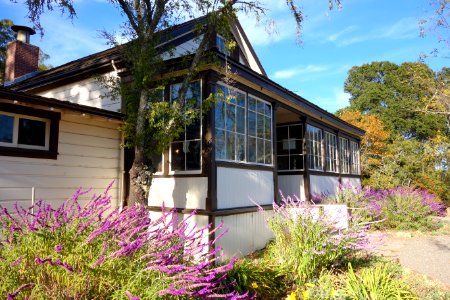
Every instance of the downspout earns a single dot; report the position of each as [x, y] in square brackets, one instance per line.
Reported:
[121, 199]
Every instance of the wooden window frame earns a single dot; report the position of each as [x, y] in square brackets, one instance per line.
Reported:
[52, 132]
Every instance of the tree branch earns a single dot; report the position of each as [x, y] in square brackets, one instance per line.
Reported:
[126, 9]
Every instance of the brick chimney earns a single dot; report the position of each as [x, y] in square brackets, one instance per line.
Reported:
[21, 57]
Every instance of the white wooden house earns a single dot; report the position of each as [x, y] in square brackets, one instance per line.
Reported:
[263, 139]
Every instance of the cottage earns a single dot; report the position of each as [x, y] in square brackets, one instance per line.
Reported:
[262, 139]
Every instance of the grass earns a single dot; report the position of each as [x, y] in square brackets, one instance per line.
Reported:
[368, 274]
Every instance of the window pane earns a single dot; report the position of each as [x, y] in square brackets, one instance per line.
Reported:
[261, 107]
[177, 156]
[297, 146]
[260, 151]
[220, 144]
[31, 132]
[231, 117]
[295, 132]
[267, 109]
[296, 162]
[268, 152]
[283, 162]
[251, 123]
[251, 149]
[240, 117]
[220, 114]
[240, 99]
[240, 151]
[6, 128]
[283, 147]
[251, 103]
[193, 130]
[267, 128]
[231, 146]
[193, 153]
[260, 126]
[282, 133]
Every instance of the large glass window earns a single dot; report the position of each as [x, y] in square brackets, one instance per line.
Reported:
[315, 157]
[239, 135]
[22, 131]
[185, 151]
[331, 152]
[259, 131]
[354, 151]
[230, 124]
[290, 147]
[344, 155]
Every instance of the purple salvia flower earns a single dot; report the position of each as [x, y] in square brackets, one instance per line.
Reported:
[18, 290]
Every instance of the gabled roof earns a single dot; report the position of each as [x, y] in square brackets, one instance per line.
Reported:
[100, 63]
[8, 94]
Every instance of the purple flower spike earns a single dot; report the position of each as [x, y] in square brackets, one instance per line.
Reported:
[17, 291]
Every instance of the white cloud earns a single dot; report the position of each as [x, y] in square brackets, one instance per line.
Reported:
[337, 35]
[403, 29]
[289, 73]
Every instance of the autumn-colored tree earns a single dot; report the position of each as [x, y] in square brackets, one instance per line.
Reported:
[373, 143]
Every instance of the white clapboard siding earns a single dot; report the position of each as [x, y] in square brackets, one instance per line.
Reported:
[292, 185]
[88, 157]
[242, 188]
[87, 92]
[246, 233]
[326, 185]
[179, 192]
[354, 182]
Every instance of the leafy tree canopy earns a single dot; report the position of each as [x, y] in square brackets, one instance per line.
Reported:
[397, 94]
[6, 35]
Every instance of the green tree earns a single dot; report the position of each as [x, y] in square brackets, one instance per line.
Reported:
[6, 36]
[395, 94]
[147, 118]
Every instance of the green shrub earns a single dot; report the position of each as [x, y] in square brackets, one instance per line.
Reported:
[258, 278]
[97, 252]
[376, 283]
[306, 243]
[405, 211]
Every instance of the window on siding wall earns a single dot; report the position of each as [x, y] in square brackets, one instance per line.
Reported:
[354, 151]
[315, 156]
[259, 131]
[28, 132]
[290, 147]
[331, 161]
[344, 155]
[25, 132]
[238, 136]
[185, 151]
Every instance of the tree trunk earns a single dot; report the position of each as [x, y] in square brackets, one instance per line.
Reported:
[140, 174]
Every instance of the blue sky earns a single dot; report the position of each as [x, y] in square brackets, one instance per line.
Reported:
[332, 41]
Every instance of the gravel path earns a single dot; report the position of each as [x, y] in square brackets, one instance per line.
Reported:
[426, 254]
